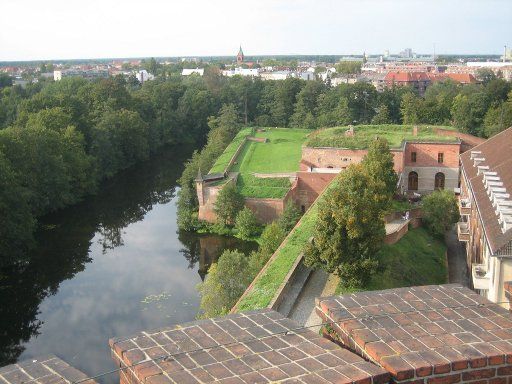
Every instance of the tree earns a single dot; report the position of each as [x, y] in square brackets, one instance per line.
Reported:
[382, 116]
[468, 111]
[440, 211]
[290, 217]
[411, 107]
[349, 229]
[379, 165]
[485, 75]
[5, 80]
[229, 203]
[16, 220]
[349, 67]
[271, 238]
[246, 224]
[498, 118]
[225, 283]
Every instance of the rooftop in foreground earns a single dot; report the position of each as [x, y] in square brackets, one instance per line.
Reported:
[364, 134]
[253, 347]
[425, 333]
[42, 370]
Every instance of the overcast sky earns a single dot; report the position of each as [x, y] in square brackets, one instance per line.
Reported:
[69, 29]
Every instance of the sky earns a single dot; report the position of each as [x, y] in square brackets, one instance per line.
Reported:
[72, 29]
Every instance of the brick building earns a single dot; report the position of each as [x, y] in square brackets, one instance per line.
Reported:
[486, 214]
[421, 80]
[422, 166]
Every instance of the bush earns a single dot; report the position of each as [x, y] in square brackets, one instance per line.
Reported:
[440, 211]
[290, 216]
[272, 236]
[246, 224]
[229, 203]
[225, 283]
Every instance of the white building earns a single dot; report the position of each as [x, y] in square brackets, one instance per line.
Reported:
[253, 72]
[188, 72]
[143, 76]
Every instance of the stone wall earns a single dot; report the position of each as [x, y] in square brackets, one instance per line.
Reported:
[265, 210]
[426, 178]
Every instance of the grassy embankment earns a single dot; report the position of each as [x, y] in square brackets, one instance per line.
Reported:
[364, 134]
[418, 258]
[281, 153]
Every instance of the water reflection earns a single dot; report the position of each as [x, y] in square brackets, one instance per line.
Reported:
[110, 266]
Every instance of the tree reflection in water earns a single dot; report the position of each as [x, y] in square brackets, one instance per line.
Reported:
[65, 239]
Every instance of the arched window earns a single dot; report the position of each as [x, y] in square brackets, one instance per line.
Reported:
[439, 180]
[413, 181]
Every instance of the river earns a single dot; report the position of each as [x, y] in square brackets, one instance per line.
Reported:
[112, 265]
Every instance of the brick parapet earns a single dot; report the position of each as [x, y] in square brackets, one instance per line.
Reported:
[42, 370]
[432, 334]
[253, 347]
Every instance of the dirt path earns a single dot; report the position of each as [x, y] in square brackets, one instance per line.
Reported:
[457, 267]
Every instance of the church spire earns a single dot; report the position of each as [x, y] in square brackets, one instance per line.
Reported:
[240, 56]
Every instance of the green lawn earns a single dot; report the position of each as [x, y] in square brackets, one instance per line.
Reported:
[416, 259]
[223, 160]
[251, 186]
[269, 282]
[364, 134]
[282, 152]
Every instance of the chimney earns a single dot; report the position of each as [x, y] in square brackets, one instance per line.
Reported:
[415, 130]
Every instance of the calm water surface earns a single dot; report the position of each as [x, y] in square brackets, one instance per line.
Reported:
[110, 266]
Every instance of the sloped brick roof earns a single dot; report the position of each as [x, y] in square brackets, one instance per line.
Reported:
[497, 152]
[42, 370]
[255, 347]
[417, 333]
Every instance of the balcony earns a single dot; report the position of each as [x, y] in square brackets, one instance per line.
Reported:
[463, 231]
[481, 278]
[464, 206]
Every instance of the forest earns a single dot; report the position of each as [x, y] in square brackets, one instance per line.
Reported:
[60, 140]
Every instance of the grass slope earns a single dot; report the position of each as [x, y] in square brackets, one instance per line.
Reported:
[364, 134]
[266, 286]
[416, 259]
[223, 160]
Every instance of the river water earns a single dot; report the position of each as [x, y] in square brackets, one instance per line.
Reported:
[111, 266]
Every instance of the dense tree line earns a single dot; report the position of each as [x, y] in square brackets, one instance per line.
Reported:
[58, 140]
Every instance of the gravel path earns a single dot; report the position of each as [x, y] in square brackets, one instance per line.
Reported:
[319, 284]
[457, 267]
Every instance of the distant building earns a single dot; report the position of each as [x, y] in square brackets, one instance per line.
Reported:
[240, 56]
[276, 75]
[86, 74]
[486, 214]
[253, 72]
[143, 76]
[196, 71]
[416, 80]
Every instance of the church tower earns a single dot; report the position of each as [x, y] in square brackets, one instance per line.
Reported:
[240, 56]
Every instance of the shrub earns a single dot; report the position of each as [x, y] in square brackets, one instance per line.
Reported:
[440, 211]
[225, 283]
[229, 203]
[246, 224]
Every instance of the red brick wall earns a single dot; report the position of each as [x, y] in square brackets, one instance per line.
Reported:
[310, 186]
[426, 154]
[265, 210]
[334, 157]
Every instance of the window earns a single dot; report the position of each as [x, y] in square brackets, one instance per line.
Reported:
[413, 157]
[440, 157]
[413, 181]
[439, 181]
